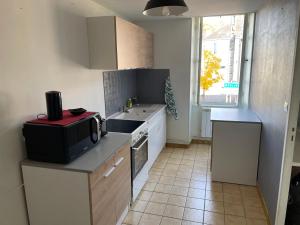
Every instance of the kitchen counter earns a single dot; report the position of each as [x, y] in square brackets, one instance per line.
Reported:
[234, 115]
[91, 160]
[235, 145]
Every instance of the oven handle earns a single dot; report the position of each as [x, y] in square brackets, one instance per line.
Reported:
[141, 145]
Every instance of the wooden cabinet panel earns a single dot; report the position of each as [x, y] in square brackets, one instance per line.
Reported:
[115, 43]
[110, 188]
[102, 196]
[123, 184]
[127, 44]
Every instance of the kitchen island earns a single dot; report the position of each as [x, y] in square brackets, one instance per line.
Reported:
[235, 145]
[93, 189]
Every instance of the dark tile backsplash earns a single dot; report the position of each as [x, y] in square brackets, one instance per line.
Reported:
[145, 84]
[151, 85]
[118, 87]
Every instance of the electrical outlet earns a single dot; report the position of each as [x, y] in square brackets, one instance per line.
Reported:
[286, 107]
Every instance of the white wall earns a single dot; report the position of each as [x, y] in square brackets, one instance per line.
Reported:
[43, 46]
[172, 50]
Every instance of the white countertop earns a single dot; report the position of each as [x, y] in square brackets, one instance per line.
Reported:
[91, 160]
[234, 115]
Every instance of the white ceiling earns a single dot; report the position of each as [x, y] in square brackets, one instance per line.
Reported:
[132, 9]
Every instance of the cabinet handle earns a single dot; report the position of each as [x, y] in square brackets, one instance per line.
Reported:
[119, 161]
[109, 172]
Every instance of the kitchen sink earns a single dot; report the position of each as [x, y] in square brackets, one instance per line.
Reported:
[137, 113]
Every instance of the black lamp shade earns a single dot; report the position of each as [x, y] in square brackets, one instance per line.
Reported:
[165, 8]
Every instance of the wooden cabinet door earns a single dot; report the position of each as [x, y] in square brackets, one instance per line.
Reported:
[145, 49]
[123, 179]
[134, 45]
[103, 195]
[127, 44]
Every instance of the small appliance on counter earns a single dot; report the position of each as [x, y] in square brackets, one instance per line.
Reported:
[62, 141]
[54, 105]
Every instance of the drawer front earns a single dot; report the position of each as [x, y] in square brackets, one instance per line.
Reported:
[102, 196]
[123, 180]
[110, 188]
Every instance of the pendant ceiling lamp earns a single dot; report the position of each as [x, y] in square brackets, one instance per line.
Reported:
[165, 8]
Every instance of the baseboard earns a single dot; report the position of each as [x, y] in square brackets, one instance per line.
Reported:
[175, 145]
[266, 211]
[193, 141]
[199, 141]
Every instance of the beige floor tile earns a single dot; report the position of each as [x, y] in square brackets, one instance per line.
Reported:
[174, 161]
[176, 190]
[159, 197]
[214, 196]
[234, 220]
[255, 213]
[177, 200]
[231, 188]
[233, 209]
[181, 182]
[189, 157]
[214, 186]
[174, 211]
[155, 173]
[156, 170]
[187, 162]
[198, 184]
[170, 221]
[149, 186]
[249, 192]
[153, 178]
[233, 198]
[139, 206]
[185, 167]
[172, 166]
[155, 208]
[166, 180]
[256, 222]
[196, 193]
[133, 218]
[159, 165]
[163, 188]
[199, 177]
[148, 219]
[214, 206]
[169, 173]
[176, 156]
[252, 202]
[195, 215]
[185, 222]
[184, 175]
[145, 195]
[214, 218]
[195, 203]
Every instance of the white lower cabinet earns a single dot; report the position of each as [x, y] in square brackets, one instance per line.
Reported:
[63, 197]
[157, 136]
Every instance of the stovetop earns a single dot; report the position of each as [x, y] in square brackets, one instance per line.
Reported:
[122, 126]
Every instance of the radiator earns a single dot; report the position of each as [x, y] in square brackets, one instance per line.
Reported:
[206, 128]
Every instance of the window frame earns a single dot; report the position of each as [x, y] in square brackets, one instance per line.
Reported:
[243, 61]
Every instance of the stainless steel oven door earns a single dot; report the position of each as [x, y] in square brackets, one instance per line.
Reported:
[139, 155]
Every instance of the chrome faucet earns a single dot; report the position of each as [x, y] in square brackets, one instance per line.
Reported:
[125, 109]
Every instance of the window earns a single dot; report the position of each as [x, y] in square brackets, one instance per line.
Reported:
[219, 60]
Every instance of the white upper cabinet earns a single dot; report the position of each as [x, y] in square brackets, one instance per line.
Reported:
[115, 43]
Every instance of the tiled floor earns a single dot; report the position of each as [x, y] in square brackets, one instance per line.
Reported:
[180, 192]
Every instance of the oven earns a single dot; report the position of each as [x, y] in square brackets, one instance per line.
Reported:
[139, 155]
